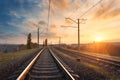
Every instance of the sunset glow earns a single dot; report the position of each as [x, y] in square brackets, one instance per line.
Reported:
[98, 39]
[104, 18]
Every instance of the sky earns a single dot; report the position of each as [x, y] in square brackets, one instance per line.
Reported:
[18, 18]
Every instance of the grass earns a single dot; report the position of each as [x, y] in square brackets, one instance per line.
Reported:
[109, 74]
[81, 67]
[9, 58]
[9, 62]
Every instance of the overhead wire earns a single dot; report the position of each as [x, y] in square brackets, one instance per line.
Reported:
[76, 10]
[91, 8]
[48, 16]
[87, 10]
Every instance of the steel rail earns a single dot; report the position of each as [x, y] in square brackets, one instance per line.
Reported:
[27, 69]
[97, 58]
[69, 76]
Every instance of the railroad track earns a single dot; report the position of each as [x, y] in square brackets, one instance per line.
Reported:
[45, 66]
[94, 59]
[107, 64]
[83, 71]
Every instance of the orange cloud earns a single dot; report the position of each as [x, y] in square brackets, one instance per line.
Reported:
[107, 10]
[61, 4]
[53, 27]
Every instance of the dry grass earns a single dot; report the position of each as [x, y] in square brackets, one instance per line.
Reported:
[9, 62]
[6, 58]
[85, 69]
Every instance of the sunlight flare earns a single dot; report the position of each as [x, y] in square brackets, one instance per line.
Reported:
[98, 39]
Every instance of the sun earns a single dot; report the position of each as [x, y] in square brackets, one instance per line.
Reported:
[98, 39]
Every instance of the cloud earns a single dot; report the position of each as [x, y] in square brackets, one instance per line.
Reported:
[17, 25]
[57, 31]
[42, 22]
[13, 13]
[108, 9]
[53, 28]
[36, 11]
[51, 33]
[8, 35]
[61, 4]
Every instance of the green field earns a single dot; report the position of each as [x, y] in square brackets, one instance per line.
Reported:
[11, 58]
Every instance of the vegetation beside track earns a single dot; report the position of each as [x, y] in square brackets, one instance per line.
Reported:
[9, 62]
[85, 69]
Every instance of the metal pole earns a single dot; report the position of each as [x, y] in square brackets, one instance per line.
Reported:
[78, 34]
[59, 41]
[38, 37]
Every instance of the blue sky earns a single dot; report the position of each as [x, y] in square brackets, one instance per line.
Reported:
[17, 18]
[12, 16]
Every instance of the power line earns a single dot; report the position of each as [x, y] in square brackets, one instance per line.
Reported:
[87, 10]
[75, 11]
[48, 16]
[91, 8]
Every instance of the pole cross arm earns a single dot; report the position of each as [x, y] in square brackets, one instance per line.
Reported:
[68, 26]
[81, 20]
[72, 20]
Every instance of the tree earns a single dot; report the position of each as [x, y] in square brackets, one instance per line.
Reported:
[45, 42]
[29, 41]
